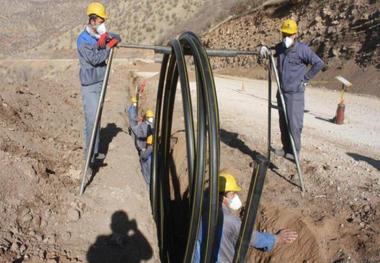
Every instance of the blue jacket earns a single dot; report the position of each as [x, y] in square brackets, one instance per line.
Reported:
[92, 59]
[228, 230]
[292, 66]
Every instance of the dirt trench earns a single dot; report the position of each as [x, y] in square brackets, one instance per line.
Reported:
[272, 218]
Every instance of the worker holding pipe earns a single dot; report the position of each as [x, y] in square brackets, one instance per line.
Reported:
[93, 47]
[145, 159]
[229, 224]
[293, 58]
[142, 130]
[132, 114]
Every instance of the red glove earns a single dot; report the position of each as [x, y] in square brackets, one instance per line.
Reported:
[102, 40]
[112, 43]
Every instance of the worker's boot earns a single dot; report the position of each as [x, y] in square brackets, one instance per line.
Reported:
[291, 157]
[100, 156]
[278, 152]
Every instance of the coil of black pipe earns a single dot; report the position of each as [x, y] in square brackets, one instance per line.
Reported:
[201, 141]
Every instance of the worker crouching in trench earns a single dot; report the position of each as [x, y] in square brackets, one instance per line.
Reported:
[229, 224]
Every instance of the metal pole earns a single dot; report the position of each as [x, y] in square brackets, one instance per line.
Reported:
[90, 147]
[210, 52]
[269, 110]
[287, 123]
[252, 206]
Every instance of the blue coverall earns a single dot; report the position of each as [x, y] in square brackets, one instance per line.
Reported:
[132, 115]
[141, 132]
[292, 68]
[92, 61]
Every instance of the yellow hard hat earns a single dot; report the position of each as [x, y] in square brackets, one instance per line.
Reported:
[149, 140]
[149, 114]
[289, 26]
[227, 182]
[98, 9]
[134, 100]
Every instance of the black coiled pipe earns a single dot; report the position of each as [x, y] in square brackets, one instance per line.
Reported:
[202, 145]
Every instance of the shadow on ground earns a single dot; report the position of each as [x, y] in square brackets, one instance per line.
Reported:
[125, 244]
[358, 157]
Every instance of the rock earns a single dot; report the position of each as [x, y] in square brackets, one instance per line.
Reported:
[26, 218]
[23, 248]
[52, 260]
[15, 247]
[36, 222]
[366, 208]
[39, 237]
[66, 235]
[24, 212]
[43, 223]
[42, 254]
[73, 215]
[5, 244]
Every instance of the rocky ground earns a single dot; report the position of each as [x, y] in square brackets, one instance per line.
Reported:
[344, 33]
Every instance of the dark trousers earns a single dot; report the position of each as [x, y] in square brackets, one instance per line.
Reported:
[295, 105]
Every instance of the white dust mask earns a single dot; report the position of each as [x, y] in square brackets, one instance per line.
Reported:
[150, 120]
[101, 29]
[288, 41]
[235, 203]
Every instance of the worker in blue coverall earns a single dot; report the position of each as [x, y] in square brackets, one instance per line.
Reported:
[132, 113]
[293, 58]
[229, 223]
[142, 130]
[146, 159]
[93, 47]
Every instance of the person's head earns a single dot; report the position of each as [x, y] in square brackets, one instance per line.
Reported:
[134, 101]
[97, 15]
[229, 189]
[289, 30]
[149, 116]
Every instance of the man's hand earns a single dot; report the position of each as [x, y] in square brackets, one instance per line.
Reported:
[264, 52]
[103, 40]
[286, 236]
[112, 43]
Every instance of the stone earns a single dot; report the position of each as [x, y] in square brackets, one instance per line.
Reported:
[24, 212]
[73, 215]
[23, 247]
[66, 235]
[36, 222]
[15, 247]
[366, 208]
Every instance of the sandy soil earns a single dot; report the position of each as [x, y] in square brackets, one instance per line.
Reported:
[44, 220]
[337, 219]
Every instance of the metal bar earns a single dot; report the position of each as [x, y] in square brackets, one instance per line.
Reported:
[98, 116]
[287, 123]
[210, 52]
[252, 206]
[270, 105]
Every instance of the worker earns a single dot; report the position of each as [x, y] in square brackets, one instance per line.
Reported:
[142, 130]
[293, 57]
[228, 227]
[132, 114]
[93, 45]
[145, 159]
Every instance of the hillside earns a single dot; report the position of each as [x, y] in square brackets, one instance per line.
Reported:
[346, 34]
[150, 22]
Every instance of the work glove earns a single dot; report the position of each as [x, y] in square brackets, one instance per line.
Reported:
[114, 36]
[264, 52]
[113, 42]
[103, 40]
